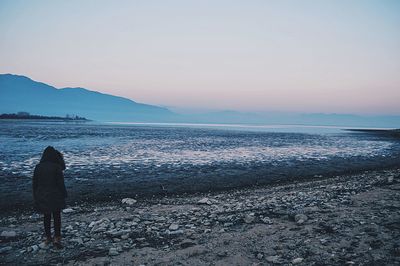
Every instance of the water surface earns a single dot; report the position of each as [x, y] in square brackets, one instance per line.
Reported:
[224, 155]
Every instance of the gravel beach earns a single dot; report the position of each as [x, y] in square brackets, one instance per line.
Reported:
[343, 220]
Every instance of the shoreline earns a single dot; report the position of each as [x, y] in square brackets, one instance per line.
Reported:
[347, 219]
[20, 199]
[395, 133]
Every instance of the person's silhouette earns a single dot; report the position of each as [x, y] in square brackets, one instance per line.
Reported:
[49, 192]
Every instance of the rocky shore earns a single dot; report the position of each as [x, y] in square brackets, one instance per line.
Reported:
[343, 220]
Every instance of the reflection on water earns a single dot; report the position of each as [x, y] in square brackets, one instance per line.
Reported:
[95, 148]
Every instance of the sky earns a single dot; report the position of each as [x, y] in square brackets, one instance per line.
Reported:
[340, 56]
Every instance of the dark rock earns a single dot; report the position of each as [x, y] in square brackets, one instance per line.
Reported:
[187, 243]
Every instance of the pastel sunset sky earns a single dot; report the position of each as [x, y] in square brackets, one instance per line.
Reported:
[339, 56]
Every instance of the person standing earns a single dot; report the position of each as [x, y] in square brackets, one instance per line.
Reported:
[49, 192]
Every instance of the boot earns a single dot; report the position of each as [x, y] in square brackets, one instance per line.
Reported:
[48, 240]
[57, 242]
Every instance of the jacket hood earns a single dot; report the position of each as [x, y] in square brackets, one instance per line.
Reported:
[50, 155]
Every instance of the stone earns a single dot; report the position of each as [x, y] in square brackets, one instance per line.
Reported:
[98, 229]
[222, 254]
[4, 250]
[8, 234]
[43, 246]
[196, 251]
[204, 201]
[113, 252]
[92, 224]
[248, 219]
[34, 216]
[266, 220]
[35, 248]
[323, 241]
[77, 240]
[128, 201]
[69, 228]
[260, 256]
[326, 228]
[297, 260]
[118, 233]
[273, 259]
[176, 232]
[68, 210]
[300, 218]
[173, 227]
[187, 243]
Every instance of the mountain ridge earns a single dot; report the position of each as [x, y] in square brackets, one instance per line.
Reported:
[20, 93]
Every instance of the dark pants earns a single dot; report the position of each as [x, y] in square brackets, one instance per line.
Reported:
[57, 223]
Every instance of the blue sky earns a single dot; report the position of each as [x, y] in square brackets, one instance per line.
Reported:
[292, 56]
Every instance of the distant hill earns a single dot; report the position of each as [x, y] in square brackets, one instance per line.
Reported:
[19, 93]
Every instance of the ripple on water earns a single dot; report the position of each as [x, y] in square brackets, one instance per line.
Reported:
[94, 148]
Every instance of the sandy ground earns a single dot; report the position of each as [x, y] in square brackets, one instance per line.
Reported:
[343, 220]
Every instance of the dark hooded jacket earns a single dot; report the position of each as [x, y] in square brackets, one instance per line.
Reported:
[49, 191]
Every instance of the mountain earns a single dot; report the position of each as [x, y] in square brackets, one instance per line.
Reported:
[19, 93]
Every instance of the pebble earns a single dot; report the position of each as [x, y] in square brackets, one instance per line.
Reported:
[204, 201]
[34, 216]
[297, 260]
[113, 252]
[273, 259]
[68, 210]
[43, 245]
[183, 228]
[173, 227]
[8, 234]
[77, 240]
[69, 228]
[187, 243]
[128, 201]
[5, 249]
[177, 232]
[249, 219]
[300, 218]
[35, 248]
[222, 254]
[118, 233]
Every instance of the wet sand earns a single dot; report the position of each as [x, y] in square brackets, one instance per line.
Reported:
[113, 184]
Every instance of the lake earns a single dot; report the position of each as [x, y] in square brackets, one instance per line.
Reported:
[105, 158]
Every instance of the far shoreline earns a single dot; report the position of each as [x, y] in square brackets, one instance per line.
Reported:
[23, 116]
[240, 126]
[385, 132]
